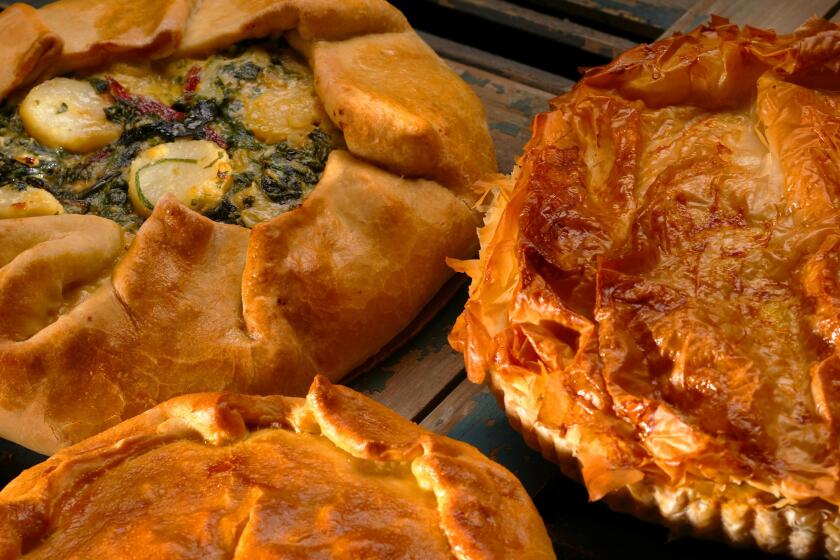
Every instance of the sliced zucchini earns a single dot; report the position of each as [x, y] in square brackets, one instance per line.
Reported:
[69, 114]
[17, 203]
[197, 172]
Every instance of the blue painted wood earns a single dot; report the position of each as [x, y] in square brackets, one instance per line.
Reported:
[470, 413]
[486, 427]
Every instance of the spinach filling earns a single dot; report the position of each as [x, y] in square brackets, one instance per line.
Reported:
[97, 183]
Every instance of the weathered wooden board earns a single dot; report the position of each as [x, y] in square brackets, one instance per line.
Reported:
[647, 18]
[521, 74]
[783, 16]
[415, 378]
[470, 413]
[510, 108]
[559, 30]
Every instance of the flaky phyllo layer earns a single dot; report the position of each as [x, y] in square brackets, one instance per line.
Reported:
[659, 288]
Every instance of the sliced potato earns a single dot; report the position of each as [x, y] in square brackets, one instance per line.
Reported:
[69, 114]
[197, 172]
[16, 203]
[283, 107]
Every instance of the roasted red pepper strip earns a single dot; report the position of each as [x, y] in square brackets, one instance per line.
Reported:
[214, 136]
[144, 105]
[193, 79]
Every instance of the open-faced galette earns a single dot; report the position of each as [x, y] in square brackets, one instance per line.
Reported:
[217, 195]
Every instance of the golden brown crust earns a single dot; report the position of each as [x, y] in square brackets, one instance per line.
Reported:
[320, 289]
[353, 265]
[98, 30]
[262, 477]
[433, 127]
[656, 295]
[219, 23]
[30, 47]
[197, 306]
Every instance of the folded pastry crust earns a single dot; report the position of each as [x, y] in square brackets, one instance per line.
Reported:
[31, 47]
[96, 31]
[656, 301]
[219, 474]
[192, 305]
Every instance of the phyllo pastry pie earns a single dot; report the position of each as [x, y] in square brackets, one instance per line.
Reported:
[217, 196]
[334, 475]
[657, 300]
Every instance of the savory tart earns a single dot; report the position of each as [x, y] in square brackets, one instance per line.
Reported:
[217, 196]
[657, 300]
[220, 475]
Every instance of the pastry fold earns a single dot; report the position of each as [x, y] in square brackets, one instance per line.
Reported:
[222, 474]
[191, 305]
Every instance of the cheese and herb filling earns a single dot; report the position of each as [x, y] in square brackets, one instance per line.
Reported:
[240, 137]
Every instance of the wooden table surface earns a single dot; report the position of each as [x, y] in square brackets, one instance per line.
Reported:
[424, 380]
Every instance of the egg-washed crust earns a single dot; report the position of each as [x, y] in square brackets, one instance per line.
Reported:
[656, 299]
[31, 48]
[191, 305]
[212, 474]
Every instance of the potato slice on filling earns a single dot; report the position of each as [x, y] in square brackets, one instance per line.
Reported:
[197, 172]
[69, 114]
[30, 201]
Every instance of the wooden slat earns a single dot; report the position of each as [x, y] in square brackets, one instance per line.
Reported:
[783, 16]
[548, 27]
[648, 18]
[517, 72]
[470, 413]
[510, 108]
[414, 379]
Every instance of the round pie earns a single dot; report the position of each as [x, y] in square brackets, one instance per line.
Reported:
[221, 475]
[657, 300]
[217, 196]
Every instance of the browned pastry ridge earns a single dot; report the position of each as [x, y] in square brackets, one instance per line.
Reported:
[212, 475]
[656, 300]
[92, 333]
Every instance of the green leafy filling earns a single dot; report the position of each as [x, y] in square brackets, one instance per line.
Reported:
[97, 183]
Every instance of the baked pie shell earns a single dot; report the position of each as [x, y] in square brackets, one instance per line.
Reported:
[644, 77]
[243, 477]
